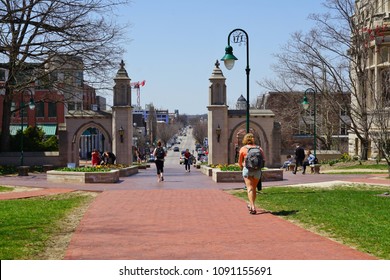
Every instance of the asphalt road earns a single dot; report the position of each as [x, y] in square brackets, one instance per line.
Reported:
[186, 142]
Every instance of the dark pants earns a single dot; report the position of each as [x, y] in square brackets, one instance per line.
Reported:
[298, 162]
[305, 164]
[159, 166]
[187, 164]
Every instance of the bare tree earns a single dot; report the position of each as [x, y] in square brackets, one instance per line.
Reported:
[165, 131]
[332, 57]
[34, 33]
[199, 131]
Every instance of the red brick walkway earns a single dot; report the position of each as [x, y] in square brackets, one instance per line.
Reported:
[192, 225]
[189, 217]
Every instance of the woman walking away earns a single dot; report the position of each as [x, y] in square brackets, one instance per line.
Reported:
[159, 154]
[251, 169]
[187, 160]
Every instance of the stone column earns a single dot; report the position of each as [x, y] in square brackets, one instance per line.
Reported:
[217, 118]
[122, 118]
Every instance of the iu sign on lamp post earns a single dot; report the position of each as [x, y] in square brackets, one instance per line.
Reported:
[305, 105]
[239, 36]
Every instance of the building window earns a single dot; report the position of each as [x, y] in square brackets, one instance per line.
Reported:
[79, 78]
[386, 87]
[2, 75]
[343, 111]
[71, 106]
[384, 54]
[52, 112]
[343, 129]
[40, 109]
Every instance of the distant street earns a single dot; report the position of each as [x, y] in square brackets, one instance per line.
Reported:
[186, 142]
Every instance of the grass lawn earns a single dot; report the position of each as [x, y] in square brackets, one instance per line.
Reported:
[5, 189]
[27, 226]
[357, 216]
[354, 167]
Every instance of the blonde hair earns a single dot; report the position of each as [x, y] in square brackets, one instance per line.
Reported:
[248, 139]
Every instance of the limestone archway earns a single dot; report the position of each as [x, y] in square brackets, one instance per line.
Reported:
[103, 144]
[226, 127]
[76, 125]
[115, 127]
[237, 134]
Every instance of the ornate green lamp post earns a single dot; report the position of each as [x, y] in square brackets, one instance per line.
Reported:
[305, 105]
[239, 36]
[31, 105]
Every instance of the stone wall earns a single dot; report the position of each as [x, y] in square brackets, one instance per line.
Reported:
[33, 159]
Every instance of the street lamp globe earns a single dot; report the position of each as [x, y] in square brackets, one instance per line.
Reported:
[229, 59]
[31, 105]
[305, 103]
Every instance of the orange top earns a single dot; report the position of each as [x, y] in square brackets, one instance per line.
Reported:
[244, 151]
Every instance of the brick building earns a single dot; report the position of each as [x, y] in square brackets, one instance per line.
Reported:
[297, 124]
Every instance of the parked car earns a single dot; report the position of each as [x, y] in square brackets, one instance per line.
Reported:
[151, 158]
[201, 154]
[203, 158]
[176, 149]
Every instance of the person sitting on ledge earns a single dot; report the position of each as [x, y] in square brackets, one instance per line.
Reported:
[309, 161]
[287, 162]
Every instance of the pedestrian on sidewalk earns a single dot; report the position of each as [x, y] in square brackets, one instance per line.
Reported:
[251, 177]
[299, 157]
[187, 160]
[159, 154]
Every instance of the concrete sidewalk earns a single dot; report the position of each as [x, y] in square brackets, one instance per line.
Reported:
[190, 217]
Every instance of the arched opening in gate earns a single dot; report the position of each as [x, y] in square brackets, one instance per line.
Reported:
[91, 136]
[237, 135]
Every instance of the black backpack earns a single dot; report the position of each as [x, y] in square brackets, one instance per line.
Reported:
[160, 153]
[254, 159]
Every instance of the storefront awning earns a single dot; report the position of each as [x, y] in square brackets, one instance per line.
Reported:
[48, 129]
[13, 128]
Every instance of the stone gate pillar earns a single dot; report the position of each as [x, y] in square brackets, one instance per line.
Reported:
[122, 118]
[218, 128]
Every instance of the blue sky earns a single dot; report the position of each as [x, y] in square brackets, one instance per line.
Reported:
[175, 43]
